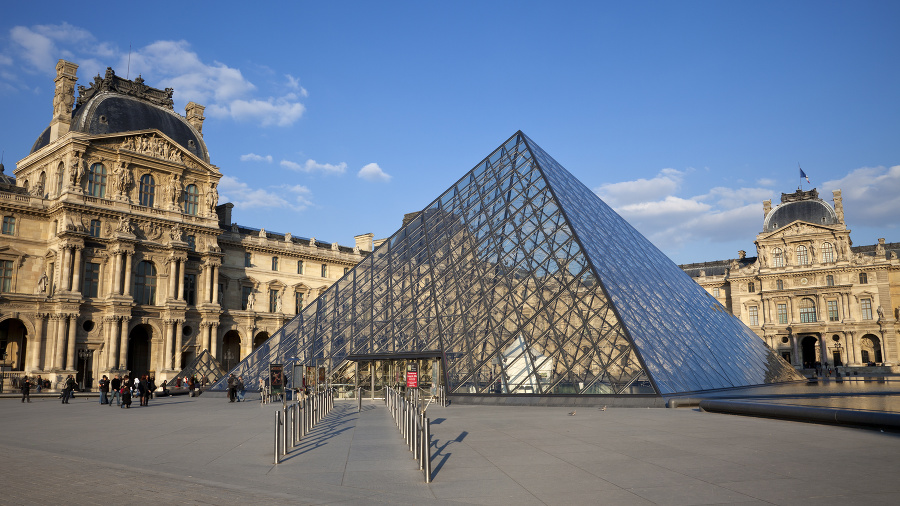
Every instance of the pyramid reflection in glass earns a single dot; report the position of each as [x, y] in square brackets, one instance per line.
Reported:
[525, 282]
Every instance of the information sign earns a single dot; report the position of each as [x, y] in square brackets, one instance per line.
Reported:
[276, 379]
[412, 375]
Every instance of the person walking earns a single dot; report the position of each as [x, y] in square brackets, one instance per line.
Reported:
[25, 385]
[68, 387]
[144, 389]
[126, 393]
[104, 390]
[240, 388]
[232, 387]
[116, 385]
[151, 387]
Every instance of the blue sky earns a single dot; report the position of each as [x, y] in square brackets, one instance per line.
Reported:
[332, 119]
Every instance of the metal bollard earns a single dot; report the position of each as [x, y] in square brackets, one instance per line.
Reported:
[427, 450]
[283, 430]
[277, 421]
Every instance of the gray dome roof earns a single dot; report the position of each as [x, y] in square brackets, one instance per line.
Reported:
[815, 211]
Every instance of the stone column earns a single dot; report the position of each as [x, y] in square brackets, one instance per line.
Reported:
[35, 348]
[179, 336]
[173, 274]
[181, 266]
[60, 342]
[115, 324]
[50, 344]
[823, 350]
[202, 295]
[123, 343]
[70, 349]
[128, 255]
[798, 358]
[66, 274]
[213, 338]
[215, 285]
[167, 345]
[76, 270]
[117, 277]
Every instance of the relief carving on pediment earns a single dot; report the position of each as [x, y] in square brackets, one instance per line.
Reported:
[155, 146]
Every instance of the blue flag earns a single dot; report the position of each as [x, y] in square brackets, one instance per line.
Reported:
[803, 175]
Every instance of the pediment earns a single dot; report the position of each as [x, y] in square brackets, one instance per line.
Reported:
[795, 229]
[154, 144]
[11, 251]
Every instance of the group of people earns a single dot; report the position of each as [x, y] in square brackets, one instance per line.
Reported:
[124, 389]
[236, 388]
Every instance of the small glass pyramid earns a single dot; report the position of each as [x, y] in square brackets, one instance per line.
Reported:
[523, 281]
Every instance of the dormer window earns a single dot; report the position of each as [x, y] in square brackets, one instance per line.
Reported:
[802, 255]
[827, 252]
[778, 258]
[191, 199]
[147, 191]
[96, 180]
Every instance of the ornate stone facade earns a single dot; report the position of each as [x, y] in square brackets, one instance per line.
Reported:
[809, 293]
[115, 255]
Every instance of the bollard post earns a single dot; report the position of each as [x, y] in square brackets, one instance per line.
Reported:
[277, 419]
[283, 430]
[427, 450]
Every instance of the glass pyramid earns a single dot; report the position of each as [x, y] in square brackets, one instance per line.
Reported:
[205, 368]
[524, 282]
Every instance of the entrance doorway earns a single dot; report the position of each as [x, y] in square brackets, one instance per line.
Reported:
[231, 349]
[375, 373]
[139, 351]
[260, 339]
[85, 375]
[809, 348]
[870, 349]
[13, 344]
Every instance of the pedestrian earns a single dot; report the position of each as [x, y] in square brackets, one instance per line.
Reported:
[25, 385]
[116, 385]
[104, 390]
[151, 386]
[38, 383]
[126, 394]
[142, 390]
[232, 386]
[240, 388]
[68, 388]
[190, 384]
[165, 390]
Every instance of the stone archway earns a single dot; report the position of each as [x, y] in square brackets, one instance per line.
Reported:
[870, 349]
[138, 361]
[809, 350]
[13, 344]
[260, 338]
[231, 350]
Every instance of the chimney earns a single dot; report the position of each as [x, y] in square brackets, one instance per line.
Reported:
[194, 114]
[224, 213]
[63, 99]
[767, 206]
[365, 242]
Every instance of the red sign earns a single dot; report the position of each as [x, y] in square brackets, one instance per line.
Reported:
[412, 375]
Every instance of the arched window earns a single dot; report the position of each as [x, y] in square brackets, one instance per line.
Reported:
[807, 311]
[863, 278]
[145, 283]
[191, 199]
[42, 184]
[147, 190]
[827, 252]
[96, 180]
[779, 285]
[829, 280]
[802, 255]
[778, 258]
[299, 266]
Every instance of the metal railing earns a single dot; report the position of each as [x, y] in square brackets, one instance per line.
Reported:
[295, 420]
[414, 426]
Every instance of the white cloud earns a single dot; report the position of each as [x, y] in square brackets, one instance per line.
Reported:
[372, 172]
[253, 157]
[225, 90]
[766, 182]
[870, 194]
[314, 166]
[641, 190]
[296, 198]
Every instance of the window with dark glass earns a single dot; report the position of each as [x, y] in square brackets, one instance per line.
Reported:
[273, 300]
[778, 258]
[829, 280]
[298, 303]
[191, 199]
[96, 180]
[245, 296]
[832, 310]
[781, 310]
[751, 287]
[9, 225]
[94, 231]
[324, 271]
[802, 255]
[60, 176]
[863, 278]
[274, 263]
[145, 283]
[346, 270]
[827, 252]
[299, 266]
[865, 306]
[779, 284]
[91, 283]
[754, 315]
[190, 289]
[147, 190]
[807, 311]
[247, 260]
[6, 274]
[191, 242]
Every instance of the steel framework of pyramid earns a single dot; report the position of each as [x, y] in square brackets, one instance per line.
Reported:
[523, 281]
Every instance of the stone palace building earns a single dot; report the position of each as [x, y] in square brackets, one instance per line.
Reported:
[809, 293]
[115, 255]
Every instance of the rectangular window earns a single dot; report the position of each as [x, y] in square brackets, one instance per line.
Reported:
[247, 259]
[298, 303]
[832, 310]
[346, 270]
[866, 308]
[299, 266]
[273, 301]
[754, 315]
[9, 225]
[6, 273]
[91, 286]
[190, 289]
[274, 263]
[324, 271]
[94, 231]
[781, 309]
[716, 292]
[246, 291]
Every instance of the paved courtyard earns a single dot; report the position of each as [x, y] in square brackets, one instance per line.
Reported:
[205, 450]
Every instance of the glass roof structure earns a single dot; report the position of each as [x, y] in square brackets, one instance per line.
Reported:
[524, 281]
[205, 367]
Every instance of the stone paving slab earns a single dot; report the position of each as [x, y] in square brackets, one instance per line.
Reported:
[207, 451]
